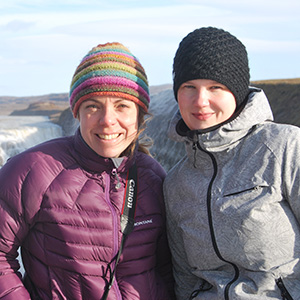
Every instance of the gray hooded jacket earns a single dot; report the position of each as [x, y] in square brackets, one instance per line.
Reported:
[233, 209]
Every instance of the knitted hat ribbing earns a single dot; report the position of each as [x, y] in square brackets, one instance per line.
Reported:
[109, 70]
[215, 54]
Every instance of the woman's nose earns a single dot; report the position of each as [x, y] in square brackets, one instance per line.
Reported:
[108, 116]
[202, 98]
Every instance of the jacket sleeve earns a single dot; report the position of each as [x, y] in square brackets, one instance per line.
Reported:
[164, 260]
[13, 229]
[291, 171]
[163, 254]
[185, 281]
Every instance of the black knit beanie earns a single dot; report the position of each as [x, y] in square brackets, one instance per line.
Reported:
[215, 54]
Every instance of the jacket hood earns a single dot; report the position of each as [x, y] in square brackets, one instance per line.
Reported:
[256, 110]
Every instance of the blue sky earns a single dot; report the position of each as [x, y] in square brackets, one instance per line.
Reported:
[42, 41]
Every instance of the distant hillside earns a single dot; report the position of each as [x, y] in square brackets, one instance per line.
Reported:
[284, 97]
[51, 109]
[24, 105]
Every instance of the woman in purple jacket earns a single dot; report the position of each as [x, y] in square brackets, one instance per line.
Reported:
[68, 203]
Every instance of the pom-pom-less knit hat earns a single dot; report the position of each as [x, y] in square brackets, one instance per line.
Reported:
[215, 54]
[109, 70]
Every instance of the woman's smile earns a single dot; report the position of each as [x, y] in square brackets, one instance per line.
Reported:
[108, 136]
[202, 116]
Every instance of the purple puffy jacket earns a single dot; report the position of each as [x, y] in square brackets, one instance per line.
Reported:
[60, 204]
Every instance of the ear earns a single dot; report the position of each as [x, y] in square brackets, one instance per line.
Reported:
[77, 116]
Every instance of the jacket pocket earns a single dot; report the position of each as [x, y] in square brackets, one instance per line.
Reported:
[246, 188]
[284, 292]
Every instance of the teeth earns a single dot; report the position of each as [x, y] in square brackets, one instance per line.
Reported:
[108, 136]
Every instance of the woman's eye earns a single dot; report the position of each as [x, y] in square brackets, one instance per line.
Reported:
[216, 87]
[122, 105]
[189, 86]
[91, 106]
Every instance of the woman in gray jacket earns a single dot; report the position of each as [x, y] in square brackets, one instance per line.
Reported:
[233, 201]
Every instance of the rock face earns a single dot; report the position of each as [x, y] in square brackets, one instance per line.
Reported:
[168, 152]
[68, 123]
[162, 107]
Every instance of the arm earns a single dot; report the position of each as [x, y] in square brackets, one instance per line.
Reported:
[291, 172]
[164, 262]
[185, 281]
[12, 231]
[163, 254]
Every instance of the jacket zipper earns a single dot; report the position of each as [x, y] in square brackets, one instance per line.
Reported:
[115, 229]
[284, 292]
[115, 173]
[211, 227]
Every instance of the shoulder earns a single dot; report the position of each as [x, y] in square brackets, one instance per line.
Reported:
[43, 156]
[270, 140]
[149, 165]
[278, 136]
[27, 175]
[150, 173]
[52, 146]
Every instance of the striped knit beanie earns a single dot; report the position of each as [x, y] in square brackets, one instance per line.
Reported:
[109, 70]
[215, 54]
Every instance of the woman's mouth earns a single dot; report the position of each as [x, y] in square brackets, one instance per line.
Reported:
[108, 136]
[202, 116]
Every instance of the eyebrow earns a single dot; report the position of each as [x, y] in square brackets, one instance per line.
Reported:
[117, 100]
[91, 99]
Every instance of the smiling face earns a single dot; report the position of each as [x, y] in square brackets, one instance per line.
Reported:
[205, 103]
[108, 124]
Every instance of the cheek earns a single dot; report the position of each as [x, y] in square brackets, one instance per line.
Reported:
[133, 125]
[181, 104]
[87, 124]
[225, 105]
[131, 121]
[231, 106]
[184, 110]
[129, 124]
[230, 102]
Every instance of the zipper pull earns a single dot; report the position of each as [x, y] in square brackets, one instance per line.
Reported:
[193, 136]
[114, 173]
[195, 152]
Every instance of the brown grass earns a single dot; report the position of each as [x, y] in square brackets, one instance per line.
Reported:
[277, 81]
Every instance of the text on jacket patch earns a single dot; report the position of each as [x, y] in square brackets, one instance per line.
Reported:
[130, 193]
[143, 222]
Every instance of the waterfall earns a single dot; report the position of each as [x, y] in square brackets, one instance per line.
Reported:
[18, 133]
